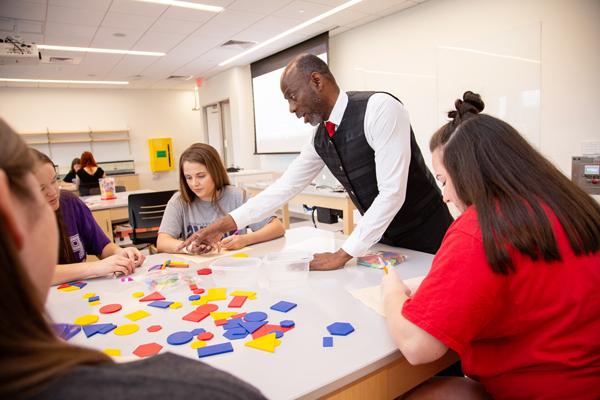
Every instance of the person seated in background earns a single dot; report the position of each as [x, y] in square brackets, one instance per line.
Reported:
[513, 288]
[34, 363]
[89, 174]
[205, 194]
[80, 235]
[72, 174]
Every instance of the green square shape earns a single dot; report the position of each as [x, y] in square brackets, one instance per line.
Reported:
[161, 154]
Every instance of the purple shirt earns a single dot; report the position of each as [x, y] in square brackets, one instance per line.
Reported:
[85, 235]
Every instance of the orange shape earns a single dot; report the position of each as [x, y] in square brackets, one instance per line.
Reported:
[147, 350]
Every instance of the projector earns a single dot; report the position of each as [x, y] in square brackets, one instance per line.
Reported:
[14, 52]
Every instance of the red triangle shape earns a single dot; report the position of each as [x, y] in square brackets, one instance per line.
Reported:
[153, 297]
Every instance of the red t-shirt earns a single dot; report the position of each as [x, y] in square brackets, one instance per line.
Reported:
[532, 334]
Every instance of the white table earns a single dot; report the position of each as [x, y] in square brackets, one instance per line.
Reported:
[318, 197]
[105, 212]
[364, 364]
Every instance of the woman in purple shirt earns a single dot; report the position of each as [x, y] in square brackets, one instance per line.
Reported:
[80, 235]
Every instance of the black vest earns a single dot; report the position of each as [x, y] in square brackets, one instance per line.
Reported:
[352, 161]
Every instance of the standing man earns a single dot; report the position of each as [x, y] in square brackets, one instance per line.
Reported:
[366, 141]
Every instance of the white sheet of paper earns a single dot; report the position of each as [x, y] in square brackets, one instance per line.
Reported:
[201, 258]
[371, 296]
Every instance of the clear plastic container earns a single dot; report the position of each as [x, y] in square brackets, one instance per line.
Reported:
[236, 272]
[287, 266]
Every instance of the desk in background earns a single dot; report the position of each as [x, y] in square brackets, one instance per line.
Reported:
[364, 364]
[317, 197]
[250, 175]
[106, 212]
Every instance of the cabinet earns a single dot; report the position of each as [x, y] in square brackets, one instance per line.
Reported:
[53, 138]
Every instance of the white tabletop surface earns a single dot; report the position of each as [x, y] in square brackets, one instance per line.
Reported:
[96, 203]
[300, 366]
[310, 190]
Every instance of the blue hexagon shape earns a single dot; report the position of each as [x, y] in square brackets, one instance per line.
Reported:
[340, 328]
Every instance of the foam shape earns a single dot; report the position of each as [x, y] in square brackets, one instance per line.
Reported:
[175, 305]
[340, 328]
[160, 304]
[69, 289]
[240, 255]
[86, 320]
[255, 316]
[204, 336]
[195, 316]
[249, 295]
[93, 298]
[110, 308]
[178, 338]
[126, 329]
[79, 284]
[235, 333]
[197, 331]
[147, 350]
[215, 349]
[268, 328]
[63, 286]
[112, 352]
[107, 328]
[204, 271]
[137, 315]
[88, 295]
[220, 322]
[264, 343]
[154, 328]
[197, 344]
[153, 297]
[137, 295]
[252, 326]
[198, 291]
[278, 333]
[287, 323]
[198, 302]
[94, 303]
[194, 297]
[232, 323]
[92, 329]
[240, 315]
[216, 315]
[216, 294]
[237, 302]
[327, 341]
[283, 306]
[66, 331]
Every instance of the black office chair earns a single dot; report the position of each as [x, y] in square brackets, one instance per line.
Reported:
[145, 214]
[120, 188]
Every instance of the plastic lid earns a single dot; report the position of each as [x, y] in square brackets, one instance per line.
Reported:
[289, 255]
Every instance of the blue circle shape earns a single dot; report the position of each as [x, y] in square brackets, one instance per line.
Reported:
[255, 316]
[287, 323]
[181, 337]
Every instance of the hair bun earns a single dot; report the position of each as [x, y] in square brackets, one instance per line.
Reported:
[470, 103]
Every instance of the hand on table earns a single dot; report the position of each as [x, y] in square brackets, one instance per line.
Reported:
[133, 254]
[329, 261]
[234, 242]
[208, 238]
[116, 263]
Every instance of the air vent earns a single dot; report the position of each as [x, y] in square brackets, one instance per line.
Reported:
[180, 77]
[60, 60]
[238, 43]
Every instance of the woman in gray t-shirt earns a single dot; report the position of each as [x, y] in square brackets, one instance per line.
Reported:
[205, 195]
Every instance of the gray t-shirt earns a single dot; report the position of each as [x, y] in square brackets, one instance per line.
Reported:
[166, 376]
[181, 219]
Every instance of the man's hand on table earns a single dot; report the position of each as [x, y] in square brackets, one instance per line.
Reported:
[207, 239]
[329, 261]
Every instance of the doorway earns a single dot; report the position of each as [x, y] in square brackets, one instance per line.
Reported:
[217, 125]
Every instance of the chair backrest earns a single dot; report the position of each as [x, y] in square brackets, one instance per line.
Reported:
[90, 191]
[146, 209]
[120, 188]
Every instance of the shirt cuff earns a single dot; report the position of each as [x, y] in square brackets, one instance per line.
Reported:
[354, 246]
[240, 217]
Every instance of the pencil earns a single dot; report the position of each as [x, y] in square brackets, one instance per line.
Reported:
[385, 269]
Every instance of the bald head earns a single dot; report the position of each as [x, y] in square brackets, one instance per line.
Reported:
[310, 88]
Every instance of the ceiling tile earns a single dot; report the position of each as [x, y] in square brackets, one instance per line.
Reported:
[129, 66]
[22, 10]
[138, 8]
[98, 64]
[68, 34]
[176, 26]
[128, 21]
[187, 14]
[70, 15]
[156, 41]
[266, 28]
[259, 6]
[101, 5]
[105, 38]
[302, 10]
[15, 71]
[31, 38]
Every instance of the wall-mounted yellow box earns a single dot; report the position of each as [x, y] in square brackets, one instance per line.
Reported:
[161, 154]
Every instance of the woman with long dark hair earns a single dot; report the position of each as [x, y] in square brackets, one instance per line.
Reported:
[514, 287]
[34, 362]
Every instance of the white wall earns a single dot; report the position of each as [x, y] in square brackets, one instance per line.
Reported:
[147, 113]
[407, 43]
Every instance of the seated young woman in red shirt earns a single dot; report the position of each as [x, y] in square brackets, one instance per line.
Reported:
[513, 288]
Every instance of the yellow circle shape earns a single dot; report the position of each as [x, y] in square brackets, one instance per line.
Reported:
[126, 329]
[86, 319]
